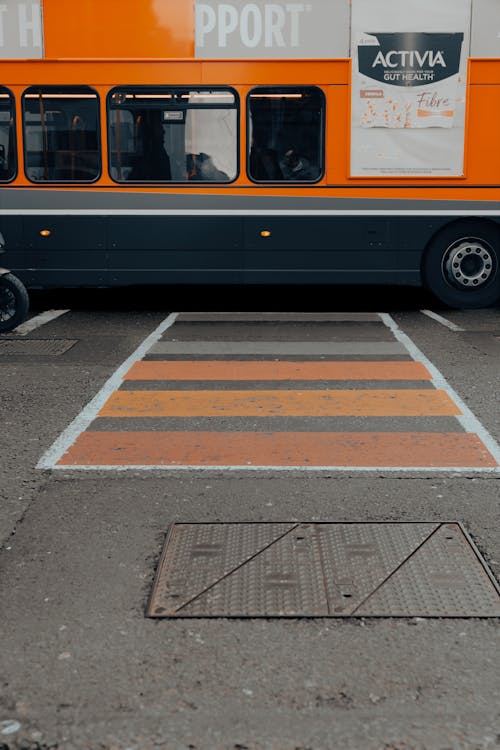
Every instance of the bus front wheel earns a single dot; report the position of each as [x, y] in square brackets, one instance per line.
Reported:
[461, 266]
[14, 302]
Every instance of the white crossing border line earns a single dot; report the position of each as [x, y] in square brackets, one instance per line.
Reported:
[467, 419]
[89, 413]
[469, 422]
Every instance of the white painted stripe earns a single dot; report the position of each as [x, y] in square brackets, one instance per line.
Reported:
[241, 212]
[285, 348]
[37, 321]
[452, 470]
[278, 317]
[89, 413]
[443, 321]
[469, 422]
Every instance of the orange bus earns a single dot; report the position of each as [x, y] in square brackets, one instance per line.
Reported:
[328, 141]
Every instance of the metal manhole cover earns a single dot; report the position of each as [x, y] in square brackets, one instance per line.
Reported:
[35, 347]
[322, 570]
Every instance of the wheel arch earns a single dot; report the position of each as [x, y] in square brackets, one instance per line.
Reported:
[466, 221]
[484, 229]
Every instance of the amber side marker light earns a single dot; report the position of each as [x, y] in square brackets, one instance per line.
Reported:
[265, 233]
[45, 232]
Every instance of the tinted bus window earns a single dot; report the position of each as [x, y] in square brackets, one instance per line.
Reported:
[178, 135]
[285, 134]
[7, 136]
[61, 134]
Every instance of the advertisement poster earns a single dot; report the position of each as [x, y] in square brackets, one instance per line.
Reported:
[409, 68]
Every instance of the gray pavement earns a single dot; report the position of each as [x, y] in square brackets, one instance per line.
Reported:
[82, 669]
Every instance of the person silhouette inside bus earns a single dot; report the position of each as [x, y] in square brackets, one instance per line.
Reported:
[201, 167]
[264, 163]
[295, 167]
[153, 163]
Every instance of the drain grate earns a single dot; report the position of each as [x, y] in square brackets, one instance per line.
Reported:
[322, 570]
[34, 347]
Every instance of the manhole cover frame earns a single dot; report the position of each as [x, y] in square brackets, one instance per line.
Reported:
[152, 610]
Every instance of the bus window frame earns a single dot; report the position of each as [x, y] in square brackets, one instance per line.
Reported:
[162, 89]
[322, 150]
[5, 90]
[59, 90]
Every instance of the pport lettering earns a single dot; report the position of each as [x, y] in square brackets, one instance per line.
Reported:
[268, 25]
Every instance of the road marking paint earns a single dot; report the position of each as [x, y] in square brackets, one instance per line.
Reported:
[275, 348]
[307, 403]
[252, 370]
[88, 414]
[278, 317]
[443, 321]
[471, 451]
[469, 422]
[37, 321]
[269, 450]
[406, 470]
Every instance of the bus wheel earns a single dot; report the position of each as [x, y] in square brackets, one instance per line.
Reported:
[14, 302]
[461, 266]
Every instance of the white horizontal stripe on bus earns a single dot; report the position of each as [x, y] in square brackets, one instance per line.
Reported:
[239, 212]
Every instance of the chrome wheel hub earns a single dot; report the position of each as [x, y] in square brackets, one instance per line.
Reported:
[468, 263]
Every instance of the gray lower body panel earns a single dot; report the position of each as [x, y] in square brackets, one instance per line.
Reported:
[104, 238]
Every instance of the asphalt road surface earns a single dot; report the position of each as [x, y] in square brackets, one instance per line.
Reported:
[83, 521]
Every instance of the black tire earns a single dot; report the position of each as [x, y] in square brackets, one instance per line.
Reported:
[461, 266]
[14, 302]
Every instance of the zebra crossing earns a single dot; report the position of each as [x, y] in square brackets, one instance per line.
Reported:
[280, 391]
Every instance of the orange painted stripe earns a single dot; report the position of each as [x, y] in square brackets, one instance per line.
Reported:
[371, 449]
[382, 403]
[238, 370]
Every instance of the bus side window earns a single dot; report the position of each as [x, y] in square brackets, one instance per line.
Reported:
[61, 134]
[158, 134]
[285, 127]
[7, 136]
